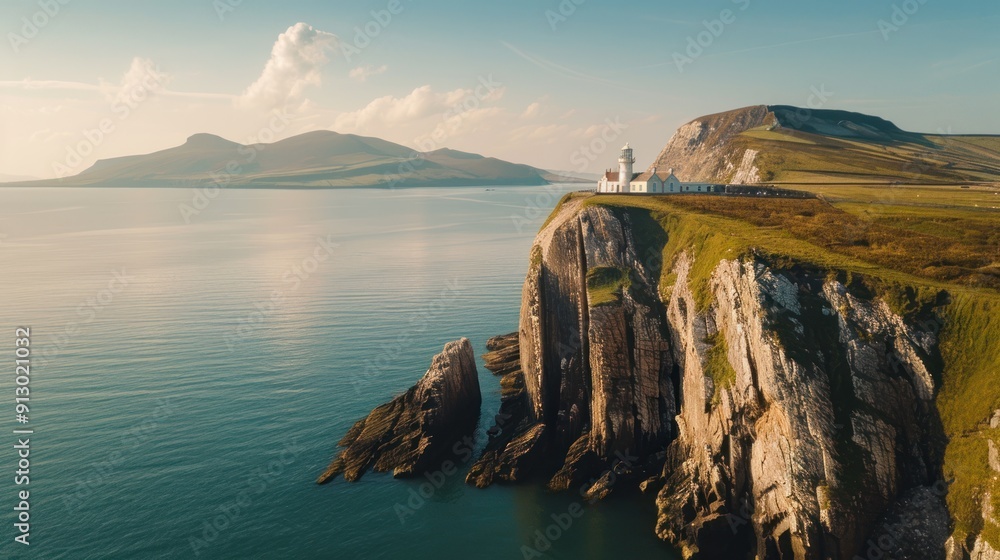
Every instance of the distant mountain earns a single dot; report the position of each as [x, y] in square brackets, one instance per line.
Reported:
[563, 176]
[783, 144]
[320, 159]
[15, 178]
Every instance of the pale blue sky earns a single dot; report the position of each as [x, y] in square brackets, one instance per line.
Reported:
[559, 79]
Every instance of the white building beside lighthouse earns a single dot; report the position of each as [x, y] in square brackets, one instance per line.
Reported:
[625, 180]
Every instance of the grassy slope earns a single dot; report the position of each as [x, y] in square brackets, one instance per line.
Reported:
[813, 232]
[605, 285]
[792, 156]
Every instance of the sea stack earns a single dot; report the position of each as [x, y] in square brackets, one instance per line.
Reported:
[410, 433]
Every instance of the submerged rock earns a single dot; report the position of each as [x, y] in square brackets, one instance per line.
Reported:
[410, 434]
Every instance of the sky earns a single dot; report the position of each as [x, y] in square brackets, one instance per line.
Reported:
[558, 84]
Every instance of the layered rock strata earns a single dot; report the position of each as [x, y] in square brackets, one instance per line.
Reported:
[593, 391]
[409, 434]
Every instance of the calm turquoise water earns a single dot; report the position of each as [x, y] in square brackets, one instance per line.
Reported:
[183, 394]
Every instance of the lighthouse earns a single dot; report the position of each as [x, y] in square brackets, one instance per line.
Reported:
[625, 169]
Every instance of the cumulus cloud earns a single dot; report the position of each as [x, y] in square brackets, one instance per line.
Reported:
[419, 104]
[142, 79]
[362, 73]
[532, 111]
[297, 59]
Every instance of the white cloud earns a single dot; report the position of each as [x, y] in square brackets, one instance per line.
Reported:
[532, 111]
[30, 84]
[46, 135]
[297, 59]
[142, 79]
[362, 73]
[419, 104]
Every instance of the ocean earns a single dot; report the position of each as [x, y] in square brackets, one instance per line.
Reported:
[194, 363]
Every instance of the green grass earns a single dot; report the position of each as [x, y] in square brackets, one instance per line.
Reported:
[787, 155]
[536, 256]
[969, 395]
[718, 368]
[606, 284]
[969, 259]
[779, 136]
[565, 198]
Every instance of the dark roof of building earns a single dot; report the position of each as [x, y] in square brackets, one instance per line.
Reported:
[661, 175]
[613, 176]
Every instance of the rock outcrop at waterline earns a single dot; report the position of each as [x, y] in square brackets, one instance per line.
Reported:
[410, 433]
[512, 451]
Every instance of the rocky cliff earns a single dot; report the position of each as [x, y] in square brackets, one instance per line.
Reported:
[595, 364]
[807, 413]
[780, 401]
[410, 433]
[781, 410]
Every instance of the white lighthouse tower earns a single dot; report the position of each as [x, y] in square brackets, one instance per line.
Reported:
[625, 169]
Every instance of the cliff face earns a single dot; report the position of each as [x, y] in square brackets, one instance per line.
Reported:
[821, 417]
[410, 433]
[793, 416]
[594, 357]
[707, 149]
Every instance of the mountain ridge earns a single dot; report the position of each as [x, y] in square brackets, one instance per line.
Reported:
[316, 159]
